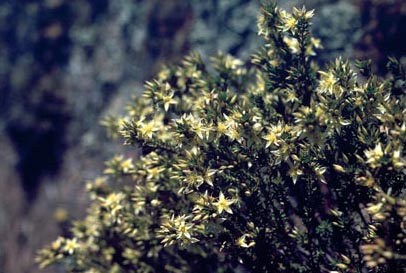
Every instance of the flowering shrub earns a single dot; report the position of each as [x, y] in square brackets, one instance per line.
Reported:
[272, 166]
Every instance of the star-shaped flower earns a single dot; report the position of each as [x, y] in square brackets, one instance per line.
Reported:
[223, 204]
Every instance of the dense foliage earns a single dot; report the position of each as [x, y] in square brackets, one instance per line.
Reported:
[272, 166]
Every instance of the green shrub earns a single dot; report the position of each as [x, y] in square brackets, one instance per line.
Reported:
[272, 166]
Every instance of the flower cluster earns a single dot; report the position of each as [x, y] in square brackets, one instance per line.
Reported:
[273, 166]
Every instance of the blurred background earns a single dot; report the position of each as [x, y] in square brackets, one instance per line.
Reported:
[66, 64]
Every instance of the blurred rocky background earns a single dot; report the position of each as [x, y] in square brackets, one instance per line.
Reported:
[66, 64]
